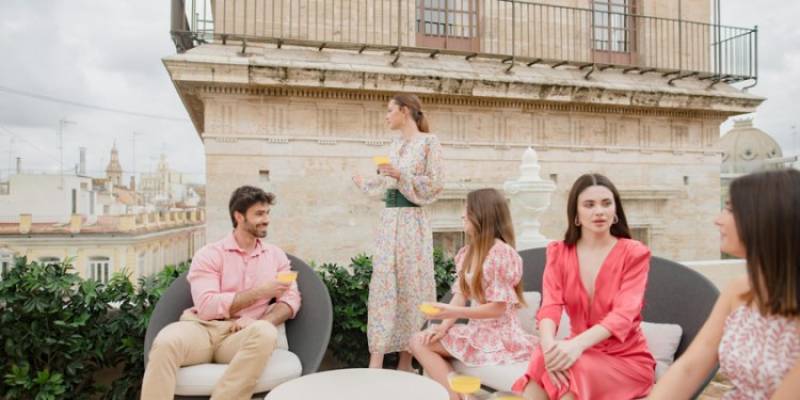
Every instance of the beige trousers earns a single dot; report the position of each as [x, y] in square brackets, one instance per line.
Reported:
[193, 341]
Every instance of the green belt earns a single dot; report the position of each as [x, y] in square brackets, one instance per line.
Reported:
[394, 199]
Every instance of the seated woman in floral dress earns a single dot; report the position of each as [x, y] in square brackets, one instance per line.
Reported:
[753, 331]
[489, 273]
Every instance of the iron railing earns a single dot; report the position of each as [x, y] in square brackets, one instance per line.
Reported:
[516, 32]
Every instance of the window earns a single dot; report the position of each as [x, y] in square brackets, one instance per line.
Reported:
[5, 188]
[641, 234]
[449, 242]
[49, 260]
[448, 24]
[140, 265]
[613, 30]
[6, 261]
[100, 269]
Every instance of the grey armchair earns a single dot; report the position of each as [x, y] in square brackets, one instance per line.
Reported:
[308, 333]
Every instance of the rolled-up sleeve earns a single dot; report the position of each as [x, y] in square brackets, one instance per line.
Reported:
[552, 286]
[291, 297]
[629, 300]
[204, 277]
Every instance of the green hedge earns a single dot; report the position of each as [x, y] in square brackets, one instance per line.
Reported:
[57, 330]
[349, 290]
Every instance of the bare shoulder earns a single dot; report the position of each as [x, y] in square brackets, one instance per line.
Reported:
[732, 293]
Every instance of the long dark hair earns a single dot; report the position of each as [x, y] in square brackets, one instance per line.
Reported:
[490, 218]
[619, 229]
[766, 208]
[414, 106]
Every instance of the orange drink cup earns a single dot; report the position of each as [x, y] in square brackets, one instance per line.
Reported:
[464, 384]
[287, 276]
[380, 160]
[429, 309]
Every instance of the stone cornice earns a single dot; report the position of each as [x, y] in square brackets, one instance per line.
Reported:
[540, 147]
[215, 70]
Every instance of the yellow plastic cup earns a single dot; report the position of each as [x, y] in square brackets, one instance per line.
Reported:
[380, 160]
[465, 384]
[429, 309]
[287, 276]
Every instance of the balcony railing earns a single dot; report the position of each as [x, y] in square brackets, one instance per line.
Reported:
[514, 31]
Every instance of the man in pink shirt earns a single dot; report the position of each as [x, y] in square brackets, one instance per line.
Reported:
[238, 302]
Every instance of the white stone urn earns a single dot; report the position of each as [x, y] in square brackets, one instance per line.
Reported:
[530, 196]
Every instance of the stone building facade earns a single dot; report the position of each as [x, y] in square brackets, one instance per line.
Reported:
[300, 120]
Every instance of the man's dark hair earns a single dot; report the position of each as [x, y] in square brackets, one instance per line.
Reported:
[245, 197]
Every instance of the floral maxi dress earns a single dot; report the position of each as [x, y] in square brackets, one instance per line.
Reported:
[402, 275]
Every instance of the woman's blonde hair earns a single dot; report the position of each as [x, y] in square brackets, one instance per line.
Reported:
[487, 212]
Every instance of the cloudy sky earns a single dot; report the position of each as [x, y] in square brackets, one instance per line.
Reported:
[108, 54]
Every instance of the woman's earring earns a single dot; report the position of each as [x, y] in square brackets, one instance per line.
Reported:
[616, 219]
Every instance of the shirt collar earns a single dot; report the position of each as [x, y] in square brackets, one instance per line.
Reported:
[229, 244]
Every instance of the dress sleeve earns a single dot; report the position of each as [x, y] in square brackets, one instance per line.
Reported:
[459, 261]
[502, 271]
[552, 285]
[627, 305]
[425, 188]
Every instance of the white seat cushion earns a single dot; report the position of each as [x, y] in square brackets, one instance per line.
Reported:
[199, 380]
[497, 377]
[662, 341]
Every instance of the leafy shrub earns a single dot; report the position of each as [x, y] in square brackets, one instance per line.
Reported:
[57, 330]
[349, 290]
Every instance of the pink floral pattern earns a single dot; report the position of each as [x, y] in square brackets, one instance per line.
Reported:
[757, 351]
[402, 275]
[497, 341]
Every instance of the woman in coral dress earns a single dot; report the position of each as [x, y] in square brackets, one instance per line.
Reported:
[753, 331]
[489, 273]
[402, 273]
[598, 275]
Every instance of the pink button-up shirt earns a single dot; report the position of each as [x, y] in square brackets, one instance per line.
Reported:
[221, 269]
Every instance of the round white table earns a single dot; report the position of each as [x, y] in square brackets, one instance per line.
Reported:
[359, 384]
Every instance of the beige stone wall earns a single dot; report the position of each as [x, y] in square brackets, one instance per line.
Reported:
[305, 149]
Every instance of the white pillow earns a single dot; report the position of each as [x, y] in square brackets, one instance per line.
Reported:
[662, 341]
[527, 315]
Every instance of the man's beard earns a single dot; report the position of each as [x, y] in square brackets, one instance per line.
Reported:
[253, 230]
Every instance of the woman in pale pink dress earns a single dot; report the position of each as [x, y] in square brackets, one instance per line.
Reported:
[489, 273]
[753, 331]
[598, 275]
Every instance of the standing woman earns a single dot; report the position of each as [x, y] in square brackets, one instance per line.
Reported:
[598, 274]
[402, 275]
[753, 331]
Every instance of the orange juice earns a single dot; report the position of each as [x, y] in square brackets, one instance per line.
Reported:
[465, 384]
[380, 160]
[429, 309]
[287, 276]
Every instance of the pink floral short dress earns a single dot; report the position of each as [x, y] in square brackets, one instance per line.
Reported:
[496, 341]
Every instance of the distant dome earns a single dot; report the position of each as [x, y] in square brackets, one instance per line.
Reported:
[745, 148]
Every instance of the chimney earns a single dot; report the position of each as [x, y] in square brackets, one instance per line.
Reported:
[19, 165]
[82, 165]
[133, 184]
